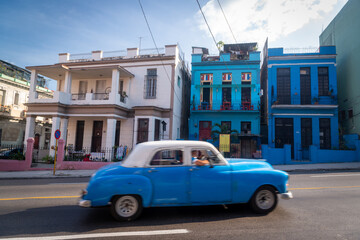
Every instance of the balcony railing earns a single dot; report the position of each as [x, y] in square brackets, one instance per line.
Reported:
[301, 100]
[78, 96]
[225, 106]
[100, 96]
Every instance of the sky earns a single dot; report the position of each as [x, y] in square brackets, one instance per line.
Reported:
[34, 32]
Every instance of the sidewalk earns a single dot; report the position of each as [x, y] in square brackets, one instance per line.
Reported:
[34, 174]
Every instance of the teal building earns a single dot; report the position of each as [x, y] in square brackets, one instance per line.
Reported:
[225, 90]
[344, 33]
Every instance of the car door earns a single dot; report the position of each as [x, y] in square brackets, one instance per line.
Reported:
[168, 176]
[210, 184]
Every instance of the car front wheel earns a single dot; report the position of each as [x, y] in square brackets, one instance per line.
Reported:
[126, 208]
[264, 200]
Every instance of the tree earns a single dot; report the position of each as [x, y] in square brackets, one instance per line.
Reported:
[222, 129]
[220, 45]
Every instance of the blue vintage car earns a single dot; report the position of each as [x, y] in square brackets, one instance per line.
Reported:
[167, 173]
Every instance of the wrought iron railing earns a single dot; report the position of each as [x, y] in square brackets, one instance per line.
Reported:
[225, 106]
[10, 151]
[95, 155]
[78, 96]
[304, 100]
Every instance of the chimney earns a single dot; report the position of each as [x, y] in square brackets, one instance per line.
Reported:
[132, 52]
[64, 57]
[97, 55]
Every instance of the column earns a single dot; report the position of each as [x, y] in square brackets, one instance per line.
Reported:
[30, 128]
[55, 126]
[114, 85]
[68, 80]
[63, 128]
[110, 138]
[33, 83]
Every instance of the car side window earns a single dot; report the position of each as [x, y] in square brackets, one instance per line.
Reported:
[167, 157]
[205, 157]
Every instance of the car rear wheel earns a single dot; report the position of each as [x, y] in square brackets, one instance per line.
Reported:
[264, 200]
[126, 208]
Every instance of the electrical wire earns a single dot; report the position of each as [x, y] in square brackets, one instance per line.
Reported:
[162, 63]
[226, 20]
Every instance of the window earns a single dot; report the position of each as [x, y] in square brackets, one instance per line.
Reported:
[323, 77]
[350, 113]
[167, 157]
[2, 97]
[227, 126]
[245, 127]
[283, 86]
[343, 115]
[208, 77]
[16, 99]
[245, 78]
[206, 154]
[150, 84]
[227, 77]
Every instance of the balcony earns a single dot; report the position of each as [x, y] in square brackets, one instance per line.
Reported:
[296, 101]
[226, 106]
[83, 98]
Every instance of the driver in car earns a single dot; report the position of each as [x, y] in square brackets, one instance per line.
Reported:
[199, 161]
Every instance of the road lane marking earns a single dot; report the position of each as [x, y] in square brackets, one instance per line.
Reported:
[104, 235]
[26, 198]
[316, 188]
[336, 175]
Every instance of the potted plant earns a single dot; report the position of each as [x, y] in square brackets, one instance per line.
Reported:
[316, 100]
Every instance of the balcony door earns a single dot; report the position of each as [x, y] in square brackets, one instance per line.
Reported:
[305, 86]
[100, 89]
[283, 86]
[82, 90]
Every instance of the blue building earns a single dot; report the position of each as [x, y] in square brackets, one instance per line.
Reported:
[225, 91]
[300, 100]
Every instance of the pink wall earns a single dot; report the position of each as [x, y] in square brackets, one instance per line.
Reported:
[19, 165]
[25, 165]
[70, 165]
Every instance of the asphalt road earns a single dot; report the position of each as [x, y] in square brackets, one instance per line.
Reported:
[325, 206]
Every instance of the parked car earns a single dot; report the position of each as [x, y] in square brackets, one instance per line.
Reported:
[164, 173]
[8, 153]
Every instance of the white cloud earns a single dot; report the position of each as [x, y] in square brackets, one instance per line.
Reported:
[254, 20]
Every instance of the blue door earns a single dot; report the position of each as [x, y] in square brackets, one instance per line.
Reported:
[210, 185]
[169, 185]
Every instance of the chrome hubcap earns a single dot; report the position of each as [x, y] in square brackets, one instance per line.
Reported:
[126, 206]
[265, 199]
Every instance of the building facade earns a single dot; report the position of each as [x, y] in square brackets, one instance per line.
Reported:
[301, 100]
[14, 93]
[344, 33]
[225, 91]
[109, 99]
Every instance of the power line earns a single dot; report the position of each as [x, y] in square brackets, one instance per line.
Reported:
[227, 21]
[207, 23]
[162, 63]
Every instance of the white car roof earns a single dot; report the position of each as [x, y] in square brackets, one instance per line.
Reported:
[140, 154]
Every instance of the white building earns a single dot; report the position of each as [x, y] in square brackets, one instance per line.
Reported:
[105, 100]
[14, 93]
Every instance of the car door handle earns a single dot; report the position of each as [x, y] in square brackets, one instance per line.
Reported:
[153, 170]
[193, 169]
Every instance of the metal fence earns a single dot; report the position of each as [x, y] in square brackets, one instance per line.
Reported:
[14, 152]
[88, 154]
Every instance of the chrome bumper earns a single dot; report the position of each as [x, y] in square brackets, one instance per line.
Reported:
[288, 195]
[84, 203]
